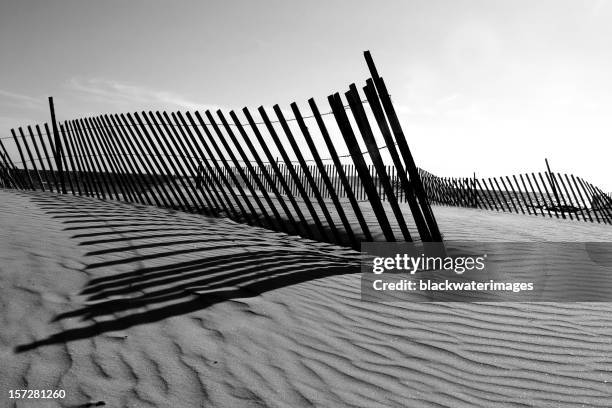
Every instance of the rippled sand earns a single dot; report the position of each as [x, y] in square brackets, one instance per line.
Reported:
[135, 306]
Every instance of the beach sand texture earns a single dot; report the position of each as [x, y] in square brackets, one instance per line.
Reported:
[134, 306]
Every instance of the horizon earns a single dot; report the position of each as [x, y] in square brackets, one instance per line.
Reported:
[500, 86]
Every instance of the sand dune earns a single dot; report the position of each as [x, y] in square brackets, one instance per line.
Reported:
[135, 306]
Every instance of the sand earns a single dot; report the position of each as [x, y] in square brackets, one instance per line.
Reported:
[133, 306]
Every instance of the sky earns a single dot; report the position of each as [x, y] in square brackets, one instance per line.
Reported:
[491, 87]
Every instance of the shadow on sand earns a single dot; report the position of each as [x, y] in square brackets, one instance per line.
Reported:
[149, 264]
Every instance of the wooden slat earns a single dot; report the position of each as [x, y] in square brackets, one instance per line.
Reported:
[578, 191]
[20, 182]
[183, 191]
[341, 178]
[491, 188]
[133, 138]
[107, 137]
[174, 153]
[128, 161]
[209, 176]
[308, 182]
[324, 175]
[360, 165]
[252, 214]
[515, 198]
[151, 142]
[40, 160]
[403, 147]
[10, 178]
[92, 156]
[91, 175]
[548, 195]
[241, 172]
[302, 227]
[490, 203]
[531, 206]
[69, 171]
[265, 173]
[69, 142]
[407, 189]
[565, 197]
[383, 179]
[105, 159]
[23, 161]
[241, 213]
[57, 151]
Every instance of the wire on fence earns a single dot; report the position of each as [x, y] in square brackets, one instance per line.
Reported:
[121, 125]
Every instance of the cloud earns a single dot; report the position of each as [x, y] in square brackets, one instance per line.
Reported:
[18, 110]
[448, 99]
[132, 96]
[20, 100]
[425, 111]
[597, 6]
[448, 106]
[13, 122]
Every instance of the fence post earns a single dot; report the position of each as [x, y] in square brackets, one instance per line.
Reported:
[584, 203]
[9, 162]
[301, 187]
[476, 200]
[23, 160]
[382, 179]
[81, 179]
[65, 157]
[40, 160]
[407, 190]
[58, 152]
[404, 149]
[551, 180]
[341, 177]
[548, 196]
[366, 180]
[208, 171]
[32, 159]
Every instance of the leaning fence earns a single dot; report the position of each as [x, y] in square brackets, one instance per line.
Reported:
[550, 194]
[350, 171]
[227, 166]
[547, 194]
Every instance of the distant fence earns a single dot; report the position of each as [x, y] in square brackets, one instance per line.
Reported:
[209, 165]
[545, 194]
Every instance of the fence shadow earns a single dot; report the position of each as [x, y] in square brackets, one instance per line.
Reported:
[149, 266]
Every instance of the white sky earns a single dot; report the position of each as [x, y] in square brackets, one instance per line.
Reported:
[485, 86]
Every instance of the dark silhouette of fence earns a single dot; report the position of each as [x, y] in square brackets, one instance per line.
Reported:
[547, 194]
[331, 171]
[570, 197]
[222, 166]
